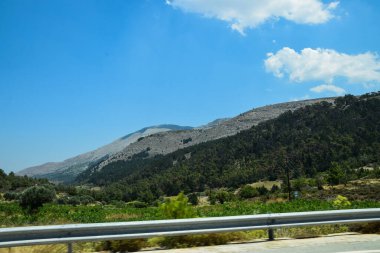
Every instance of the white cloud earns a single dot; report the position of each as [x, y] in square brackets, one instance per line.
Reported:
[324, 65]
[328, 87]
[242, 14]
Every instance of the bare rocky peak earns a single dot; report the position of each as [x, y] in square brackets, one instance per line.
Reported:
[167, 142]
[69, 168]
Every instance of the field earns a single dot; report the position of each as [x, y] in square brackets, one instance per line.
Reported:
[11, 215]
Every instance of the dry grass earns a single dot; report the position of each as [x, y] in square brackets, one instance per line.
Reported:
[58, 248]
[267, 184]
[121, 216]
[53, 248]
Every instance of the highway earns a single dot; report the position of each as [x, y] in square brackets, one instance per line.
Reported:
[343, 243]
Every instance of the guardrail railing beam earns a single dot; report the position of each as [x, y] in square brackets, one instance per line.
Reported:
[70, 233]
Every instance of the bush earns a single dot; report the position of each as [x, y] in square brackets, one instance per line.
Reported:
[366, 228]
[274, 189]
[200, 240]
[34, 197]
[247, 192]
[11, 196]
[220, 196]
[130, 245]
[262, 190]
[193, 198]
[341, 202]
[336, 174]
[74, 201]
[137, 204]
[176, 208]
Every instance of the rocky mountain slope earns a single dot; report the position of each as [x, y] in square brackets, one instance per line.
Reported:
[167, 142]
[68, 169]
[162, 139]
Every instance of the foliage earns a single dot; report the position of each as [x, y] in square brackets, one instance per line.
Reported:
[193, 198]
[200, 240]
[341, 202]
[176, 208]
[137, 204]
[247, 192]
[11, 182]
[313, 141]
[366, 228]
[34, 197]
[11, 196]
[130, 245]
[336, 174]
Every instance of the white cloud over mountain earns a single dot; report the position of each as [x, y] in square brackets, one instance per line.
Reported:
[328, 87]
[324, 65]
[243, 14]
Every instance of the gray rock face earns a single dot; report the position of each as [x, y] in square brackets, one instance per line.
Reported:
[67, 170]
[167, 142]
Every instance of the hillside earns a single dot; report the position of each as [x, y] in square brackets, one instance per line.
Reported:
[167, 142]
[161, 139]
[68, 169]
[305, 141]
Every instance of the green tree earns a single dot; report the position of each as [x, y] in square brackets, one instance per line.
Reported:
[34, 197]
[177, 207]
[336, 174]
[247, 192]
[193, 198]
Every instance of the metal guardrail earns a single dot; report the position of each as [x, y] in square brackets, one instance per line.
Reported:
[35, 235]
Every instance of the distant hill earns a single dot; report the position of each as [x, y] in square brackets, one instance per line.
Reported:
[68, 169]
[305, 141]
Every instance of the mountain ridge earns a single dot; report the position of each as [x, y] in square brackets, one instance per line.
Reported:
[67, 169]
[160, 140]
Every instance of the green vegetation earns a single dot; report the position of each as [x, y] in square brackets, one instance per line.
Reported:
[321, 157]
[34, 197]
[176, 208]
[323, 142]
[11, 183]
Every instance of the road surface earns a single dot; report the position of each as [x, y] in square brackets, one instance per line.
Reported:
[346, 243]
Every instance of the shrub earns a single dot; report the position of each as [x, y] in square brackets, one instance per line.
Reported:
[130, 245]
[366, 228]
[247, 192]
[336, 174]
[221, 196]
[137, 204]
[74, 201]
[200, 240]
[34, 197]
[176, 207]
[193, 198]
[299, 184]
[262, 190]
[274, 188]
[341, 202]
[11, 196]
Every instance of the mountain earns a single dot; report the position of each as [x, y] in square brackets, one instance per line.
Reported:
[341, 136]
[68, 169]
[160, 140]
[166, 142]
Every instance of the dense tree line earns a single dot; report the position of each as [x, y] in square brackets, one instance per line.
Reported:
[12, 182]
[302, 143]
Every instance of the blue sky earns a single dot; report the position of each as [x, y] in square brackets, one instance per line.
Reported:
[75, 75]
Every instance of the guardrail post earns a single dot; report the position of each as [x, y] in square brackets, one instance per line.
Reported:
[271, 234]
[69, 247]
[270, 230]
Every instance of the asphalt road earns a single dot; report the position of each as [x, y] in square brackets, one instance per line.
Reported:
[329, 244]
